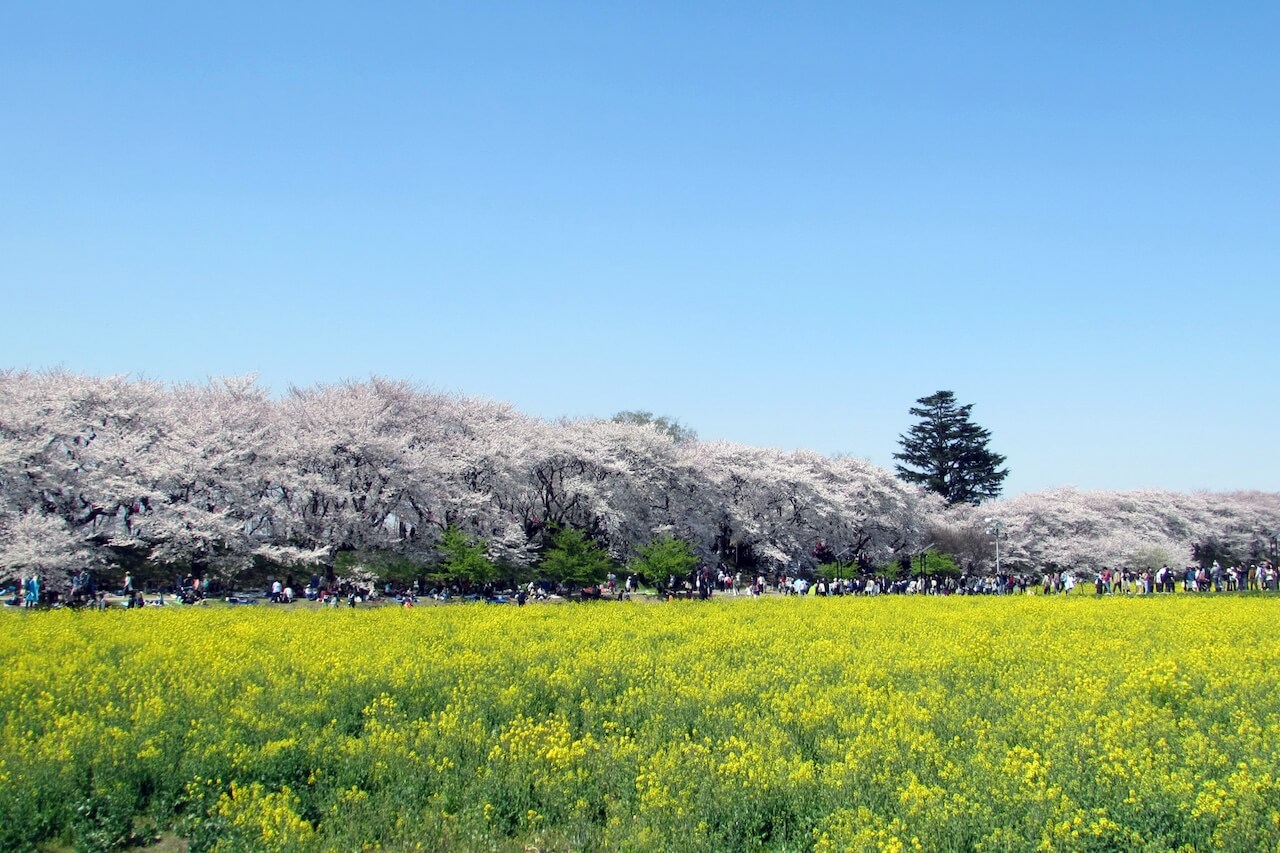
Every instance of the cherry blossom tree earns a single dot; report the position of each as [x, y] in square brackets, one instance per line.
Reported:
[217, 481]
[74, 449]
[621, 483]
[34, 542]
[1066, 527]
[781, 505]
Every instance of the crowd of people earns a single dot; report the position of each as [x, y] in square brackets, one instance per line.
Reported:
[702, 583]
[1258, 577]
[83, 590]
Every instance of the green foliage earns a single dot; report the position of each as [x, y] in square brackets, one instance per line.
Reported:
[670, 426]
[947, 453]
[831, 566]
[665, 556]
[574, 558]
[896, 570]
[928, 563]
[464, 557]
[937, 563]
[103, 820]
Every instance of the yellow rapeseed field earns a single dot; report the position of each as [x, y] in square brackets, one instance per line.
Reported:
[1013, 723]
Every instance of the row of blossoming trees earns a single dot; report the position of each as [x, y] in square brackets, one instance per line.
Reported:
[96, 471]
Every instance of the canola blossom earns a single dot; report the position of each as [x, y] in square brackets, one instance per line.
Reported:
[1010, 723]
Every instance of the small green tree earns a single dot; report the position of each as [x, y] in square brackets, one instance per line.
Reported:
[937, 563]
[928, 563]
[573, 558]
[664, 556]
[463, 557]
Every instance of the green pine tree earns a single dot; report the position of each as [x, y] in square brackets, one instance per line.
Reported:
[947, 453]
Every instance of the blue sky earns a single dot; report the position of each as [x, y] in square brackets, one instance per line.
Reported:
[779, 223]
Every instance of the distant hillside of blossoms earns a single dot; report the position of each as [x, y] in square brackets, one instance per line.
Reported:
[216, 476]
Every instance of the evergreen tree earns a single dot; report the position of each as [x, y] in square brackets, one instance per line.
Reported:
[947, 453]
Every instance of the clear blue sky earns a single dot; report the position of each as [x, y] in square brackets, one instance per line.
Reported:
[779, 223]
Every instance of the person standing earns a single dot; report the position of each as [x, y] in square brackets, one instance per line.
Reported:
[33, 591]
